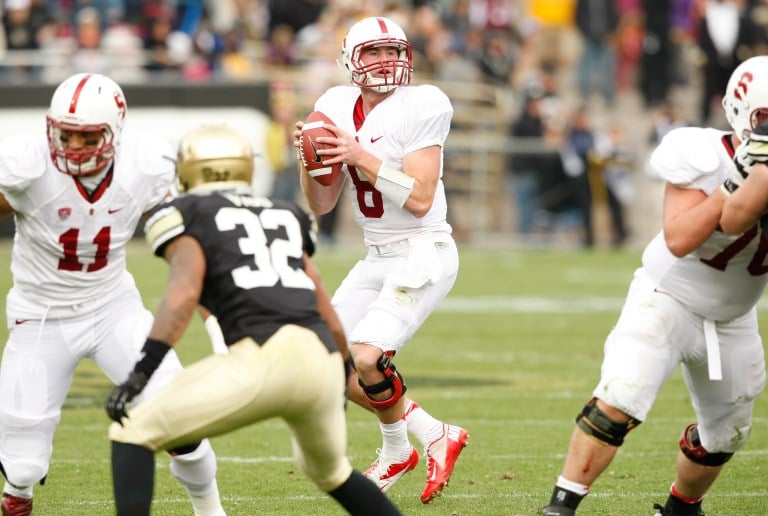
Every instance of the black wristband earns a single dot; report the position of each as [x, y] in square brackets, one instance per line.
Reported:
[154, 352]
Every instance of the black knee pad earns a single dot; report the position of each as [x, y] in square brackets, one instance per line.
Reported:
[595, 423]
[690, 445]
[183, 450]
[392, 380]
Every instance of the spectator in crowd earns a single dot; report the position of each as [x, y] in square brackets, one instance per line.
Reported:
[722, 34]
[557, 195]
[615, 161]
[279, 147]
[597, 22]
[27, 25]
[89, 56]
[579, 145]
[524, 168]
[629, 44]
[666, 117]
[281, 47]
[657, 58]
[159, 26]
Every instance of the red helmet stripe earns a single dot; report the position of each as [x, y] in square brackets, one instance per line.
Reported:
[382, 25]
[76, 95]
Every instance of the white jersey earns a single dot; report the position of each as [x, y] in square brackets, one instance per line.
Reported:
[69, 246]
[411, 118]
[725, 277]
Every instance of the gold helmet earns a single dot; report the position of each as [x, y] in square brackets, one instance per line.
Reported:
[213, 154]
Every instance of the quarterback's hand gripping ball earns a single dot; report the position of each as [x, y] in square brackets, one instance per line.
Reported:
[312, 161]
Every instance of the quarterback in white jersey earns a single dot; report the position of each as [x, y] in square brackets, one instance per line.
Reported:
[77, 197]
[390, 137]
[692, 303]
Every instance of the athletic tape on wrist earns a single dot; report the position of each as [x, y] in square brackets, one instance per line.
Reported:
[214, 333]
[394, 185]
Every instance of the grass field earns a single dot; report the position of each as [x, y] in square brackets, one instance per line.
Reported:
[511, 355]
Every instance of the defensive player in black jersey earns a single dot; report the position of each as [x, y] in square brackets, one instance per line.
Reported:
[246, 260]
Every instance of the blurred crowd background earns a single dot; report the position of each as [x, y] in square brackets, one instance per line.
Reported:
[558, 102]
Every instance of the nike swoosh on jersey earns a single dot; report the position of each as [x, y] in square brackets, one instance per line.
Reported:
[114, 210]
[21, 321]
[374, 140]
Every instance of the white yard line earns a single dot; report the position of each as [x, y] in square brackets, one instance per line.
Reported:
[524, 304]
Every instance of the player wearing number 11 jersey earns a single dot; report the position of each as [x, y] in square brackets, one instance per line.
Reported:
[691, 304]
[77, 197]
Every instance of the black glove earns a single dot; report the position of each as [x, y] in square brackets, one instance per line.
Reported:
[154, 352]
[124, 393]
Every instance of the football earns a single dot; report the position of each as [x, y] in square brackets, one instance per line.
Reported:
[313, 128]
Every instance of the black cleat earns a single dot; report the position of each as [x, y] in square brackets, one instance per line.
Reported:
[675, 507]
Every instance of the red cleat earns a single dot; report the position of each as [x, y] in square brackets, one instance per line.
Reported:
[384, 473]
[15, 506]
[442, 455]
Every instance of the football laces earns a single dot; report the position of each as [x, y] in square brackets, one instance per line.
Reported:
[301, 151]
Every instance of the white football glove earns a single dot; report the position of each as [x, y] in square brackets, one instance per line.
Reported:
[752, 150]
[757, 144]
[742, 164]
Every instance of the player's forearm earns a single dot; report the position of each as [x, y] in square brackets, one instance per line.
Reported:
[182, 293]
[748, 203]
[691, 225]
[320, 199]
[173, 314]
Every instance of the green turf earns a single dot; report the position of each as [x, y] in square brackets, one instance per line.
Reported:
[512, 355]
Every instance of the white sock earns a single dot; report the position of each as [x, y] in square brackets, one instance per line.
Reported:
[18, 492]
[208, 505]
[396, 444]
[573, 487]
[197, 473]
[424, 427]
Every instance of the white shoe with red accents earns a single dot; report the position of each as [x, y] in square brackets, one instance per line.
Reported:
[384, 472]
[442, 455]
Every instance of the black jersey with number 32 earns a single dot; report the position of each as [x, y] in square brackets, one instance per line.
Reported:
[254, 246]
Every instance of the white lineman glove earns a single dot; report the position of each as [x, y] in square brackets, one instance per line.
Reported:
[742, 164]
[757, 144]
[752, 150]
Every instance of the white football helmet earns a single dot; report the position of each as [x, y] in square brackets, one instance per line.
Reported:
[213, 154]
[85, 102]
[746, 96]
[381, 76]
